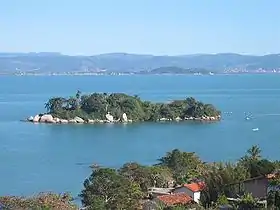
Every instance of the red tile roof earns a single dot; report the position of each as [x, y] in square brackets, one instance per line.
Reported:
[177, 198]
[195, 186]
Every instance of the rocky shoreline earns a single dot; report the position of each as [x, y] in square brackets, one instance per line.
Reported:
[48, 118]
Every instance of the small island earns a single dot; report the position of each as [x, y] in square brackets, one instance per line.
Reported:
[120, 107]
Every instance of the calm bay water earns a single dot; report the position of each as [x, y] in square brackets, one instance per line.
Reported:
[42, 157]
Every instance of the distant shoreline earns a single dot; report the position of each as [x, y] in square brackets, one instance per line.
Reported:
[56, 64]
[136, 74]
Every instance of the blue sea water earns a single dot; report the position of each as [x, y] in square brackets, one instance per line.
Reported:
[35, 158]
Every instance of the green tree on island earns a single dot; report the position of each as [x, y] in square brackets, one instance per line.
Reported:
[97, 105]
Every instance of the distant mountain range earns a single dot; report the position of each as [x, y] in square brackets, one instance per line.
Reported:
[45, 62]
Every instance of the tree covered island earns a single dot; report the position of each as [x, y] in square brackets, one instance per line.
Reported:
[120, 107]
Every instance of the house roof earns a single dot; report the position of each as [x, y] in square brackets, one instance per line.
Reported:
[195, 186]
[177, 198]
[267, 176]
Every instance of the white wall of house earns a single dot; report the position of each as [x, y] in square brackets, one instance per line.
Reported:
[194, 195]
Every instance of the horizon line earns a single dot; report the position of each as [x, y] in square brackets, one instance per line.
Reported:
[138, 54]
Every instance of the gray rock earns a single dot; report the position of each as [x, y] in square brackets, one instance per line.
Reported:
[124, 117]
[47, 118]
[178, 118]
[212, 118]
[79, 120]
[63, 121]
[30, 118]
[36, 118]
[56, 119]
[109, 117]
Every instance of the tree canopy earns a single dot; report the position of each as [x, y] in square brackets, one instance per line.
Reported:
[224, 178]
[42, 201]
[147, 176]
[185, 166]
[124, 188]
[97, 105]
[255, 164]
[107, 189]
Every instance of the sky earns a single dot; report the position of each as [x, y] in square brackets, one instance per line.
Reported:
[159, 27]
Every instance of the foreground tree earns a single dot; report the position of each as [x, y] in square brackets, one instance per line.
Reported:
[273, 199]
[106, 188]
[255, 164]
[147, 176]
[254, 153]
[220, 179]
[247, 201]
[224, 179]
[138, 174]
[42, 201]
[185, 166]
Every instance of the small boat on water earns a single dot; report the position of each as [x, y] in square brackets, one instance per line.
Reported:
[255, 129]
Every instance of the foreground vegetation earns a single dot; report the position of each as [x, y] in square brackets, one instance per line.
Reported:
[43, 201]
[124, 188]
[95, 106]
[128, 186]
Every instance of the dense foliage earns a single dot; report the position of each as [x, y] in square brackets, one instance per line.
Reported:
[97, 105]
[127, 186]
[147, 176]
[224, 178]
[218, 178]
[186, 166]
[43, 201]
[107, 189]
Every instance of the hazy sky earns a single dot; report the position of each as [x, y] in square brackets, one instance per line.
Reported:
[140, 26]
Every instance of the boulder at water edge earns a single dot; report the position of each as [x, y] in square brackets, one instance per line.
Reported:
[124, 117]
[30, 119]
[178, 118]
[36, 118]
[56, 119]
[72, 121]
[79, 120]
[47, 118]
[109, 117]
